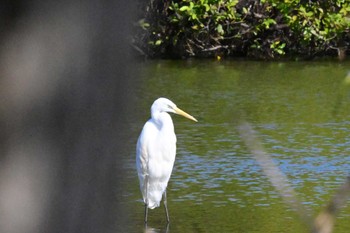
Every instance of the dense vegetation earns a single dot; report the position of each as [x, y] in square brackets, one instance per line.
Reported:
[245, 28]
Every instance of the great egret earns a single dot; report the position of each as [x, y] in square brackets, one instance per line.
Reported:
[155, 153]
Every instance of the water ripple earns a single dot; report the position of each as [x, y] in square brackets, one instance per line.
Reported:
[314, 162]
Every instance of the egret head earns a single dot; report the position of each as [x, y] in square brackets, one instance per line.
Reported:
[165, 105]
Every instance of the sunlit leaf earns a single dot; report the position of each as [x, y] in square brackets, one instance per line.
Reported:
[158, 42]
[184, 8]
[219, 29]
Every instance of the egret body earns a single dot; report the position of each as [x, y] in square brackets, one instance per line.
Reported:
[155, 153]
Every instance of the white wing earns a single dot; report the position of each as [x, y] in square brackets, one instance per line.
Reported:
[142, 158]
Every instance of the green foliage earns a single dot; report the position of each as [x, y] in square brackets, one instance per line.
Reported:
[264, 29]
[318, 24]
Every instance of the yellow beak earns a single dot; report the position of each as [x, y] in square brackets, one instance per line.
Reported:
[185, 114]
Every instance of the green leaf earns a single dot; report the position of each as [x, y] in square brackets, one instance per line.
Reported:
[309, 14]
[219, 29]
[280, 51]
[245, 10]
[268, 22]
[158, 42]
[143, 24]
[184, 8]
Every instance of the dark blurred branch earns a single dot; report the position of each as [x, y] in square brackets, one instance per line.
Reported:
[65, 86]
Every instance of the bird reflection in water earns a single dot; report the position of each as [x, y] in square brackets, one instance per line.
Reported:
[155, 230]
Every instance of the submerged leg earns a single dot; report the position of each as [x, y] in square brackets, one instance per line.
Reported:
[146, 203]
[146, 213]
[166, 207]
[167, 227]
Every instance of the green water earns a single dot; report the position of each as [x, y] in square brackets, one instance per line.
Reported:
[300, 111]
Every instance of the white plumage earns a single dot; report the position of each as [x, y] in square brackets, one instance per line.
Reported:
[155, 153]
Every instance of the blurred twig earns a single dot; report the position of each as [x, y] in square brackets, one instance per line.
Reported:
[324, 222]
[273, 173]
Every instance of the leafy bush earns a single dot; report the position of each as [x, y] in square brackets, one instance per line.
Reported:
[259, 29]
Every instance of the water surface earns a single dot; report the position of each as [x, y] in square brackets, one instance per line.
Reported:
[300, 111]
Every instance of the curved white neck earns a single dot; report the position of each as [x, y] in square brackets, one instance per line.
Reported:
[163, 120]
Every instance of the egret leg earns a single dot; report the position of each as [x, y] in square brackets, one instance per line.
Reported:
[146, 204]
[167, 227]
[146, 213]
[166, 207]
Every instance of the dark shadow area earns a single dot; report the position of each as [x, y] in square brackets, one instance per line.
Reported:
[65, 86]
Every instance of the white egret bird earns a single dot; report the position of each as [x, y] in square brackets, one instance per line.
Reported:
[155, 153]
